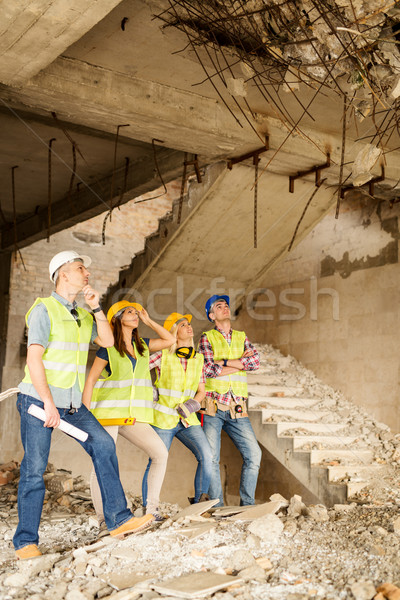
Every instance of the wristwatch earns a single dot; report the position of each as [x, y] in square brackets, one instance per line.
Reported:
[225, 362]
[98, 309]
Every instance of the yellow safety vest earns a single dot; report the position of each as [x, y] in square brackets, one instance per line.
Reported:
[66, 354]
[237, 382]
[126, 392]
[175, 386]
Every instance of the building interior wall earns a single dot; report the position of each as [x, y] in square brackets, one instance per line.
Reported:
[333, 303]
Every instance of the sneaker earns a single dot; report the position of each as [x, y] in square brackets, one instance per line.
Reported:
[132, 526]
[158, 517]
[30, 551]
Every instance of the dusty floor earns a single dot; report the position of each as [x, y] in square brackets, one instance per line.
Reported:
[314, 553]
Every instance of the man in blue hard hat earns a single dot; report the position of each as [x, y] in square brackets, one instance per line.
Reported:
[228, 354]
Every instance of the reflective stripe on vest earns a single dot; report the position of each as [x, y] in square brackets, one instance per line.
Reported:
[126, 392]
[66, 354]
[237, 382]
[175, 386]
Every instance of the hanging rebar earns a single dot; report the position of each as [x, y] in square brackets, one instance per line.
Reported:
[49, 190]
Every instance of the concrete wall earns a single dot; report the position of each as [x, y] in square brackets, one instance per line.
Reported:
[29, 279]
[333, 303]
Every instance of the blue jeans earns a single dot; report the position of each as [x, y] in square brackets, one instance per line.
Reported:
[36, 441]
[241, 433]
[193, 438]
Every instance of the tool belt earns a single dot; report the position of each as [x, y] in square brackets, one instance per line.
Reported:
[237, 410]
[108, 422]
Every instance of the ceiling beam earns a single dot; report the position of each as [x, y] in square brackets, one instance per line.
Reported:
[33, 34]
[91, 199]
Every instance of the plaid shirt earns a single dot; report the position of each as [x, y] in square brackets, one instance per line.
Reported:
[251, 363]
[155, 363]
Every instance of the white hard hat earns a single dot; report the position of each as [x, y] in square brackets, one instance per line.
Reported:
[64, 257]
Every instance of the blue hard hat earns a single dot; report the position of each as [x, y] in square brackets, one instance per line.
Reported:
[212, 300]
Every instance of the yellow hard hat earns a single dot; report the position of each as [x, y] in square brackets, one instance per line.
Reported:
[115, 308]
[174, 318]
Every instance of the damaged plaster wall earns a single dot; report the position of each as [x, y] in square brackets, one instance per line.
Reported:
[333, 303]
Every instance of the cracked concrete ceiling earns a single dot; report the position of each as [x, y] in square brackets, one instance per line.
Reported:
[177, 77]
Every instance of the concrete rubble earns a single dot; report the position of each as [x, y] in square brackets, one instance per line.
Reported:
[360, 429]
[296, 551]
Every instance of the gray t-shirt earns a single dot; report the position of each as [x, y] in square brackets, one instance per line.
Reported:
[39, 327]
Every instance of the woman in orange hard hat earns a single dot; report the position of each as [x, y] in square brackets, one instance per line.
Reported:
[119, 393]
[181, 388]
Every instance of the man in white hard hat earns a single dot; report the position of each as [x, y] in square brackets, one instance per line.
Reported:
[59, 335]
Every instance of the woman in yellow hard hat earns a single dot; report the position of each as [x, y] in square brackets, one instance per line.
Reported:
[181, 388]
[119, 392]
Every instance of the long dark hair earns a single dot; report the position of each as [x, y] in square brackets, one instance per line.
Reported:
[119, 343]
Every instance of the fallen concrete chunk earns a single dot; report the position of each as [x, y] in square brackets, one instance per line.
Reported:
[42, 563]
[195, 509]
[257, 512]
[196, 585]
[241, 559]
[255, 572]
[296, 507]
[264, 562]
[17, 580]
[197, 530]
[318, 512]
[268, 528]
[363, 590]
[123, 580]
[279, 498]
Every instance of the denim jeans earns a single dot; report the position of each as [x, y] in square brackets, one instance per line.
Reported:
[241, 433]
[193, 438]
[36, 441]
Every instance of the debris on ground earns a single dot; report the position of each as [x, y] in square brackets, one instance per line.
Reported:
[281, 549]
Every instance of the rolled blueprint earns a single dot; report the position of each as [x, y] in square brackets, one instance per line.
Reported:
[8, 393]
[38, 412]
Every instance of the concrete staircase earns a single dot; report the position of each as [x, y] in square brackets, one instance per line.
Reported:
[302, 427]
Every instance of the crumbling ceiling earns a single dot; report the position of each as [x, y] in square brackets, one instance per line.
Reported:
[208, 78]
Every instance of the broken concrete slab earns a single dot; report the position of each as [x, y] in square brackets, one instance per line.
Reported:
[196, 585]
[197, 530]
[267, 528]
[226, 511]
[258, 511]
[123, 580]
[195, 509]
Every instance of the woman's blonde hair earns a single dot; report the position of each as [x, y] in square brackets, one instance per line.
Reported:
[174, 331]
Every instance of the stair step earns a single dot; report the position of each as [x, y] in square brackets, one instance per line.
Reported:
[295, 414]
[263, 379]
[353, 487]
[362, 472]
[355, 456]
[323, 428]
[272, 390]
[286, 402]
[333, 441]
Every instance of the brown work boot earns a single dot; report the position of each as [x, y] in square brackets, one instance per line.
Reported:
[134, 525]
[30, 551]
